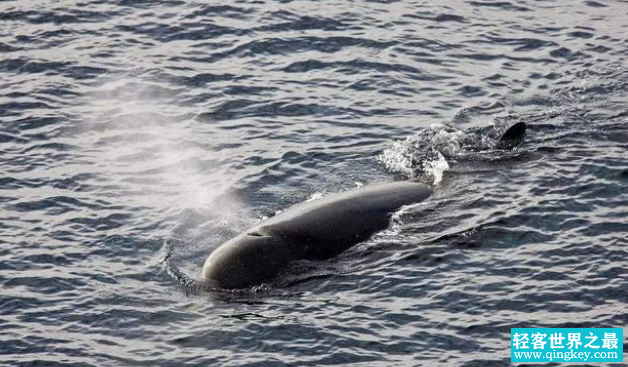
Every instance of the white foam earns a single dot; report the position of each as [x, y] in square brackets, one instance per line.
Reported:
[315, 196]
[436, 168]
[421, 156]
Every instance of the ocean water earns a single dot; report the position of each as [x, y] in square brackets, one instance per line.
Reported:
[135, 130]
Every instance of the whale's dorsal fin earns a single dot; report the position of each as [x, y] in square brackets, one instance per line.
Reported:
[512, 137]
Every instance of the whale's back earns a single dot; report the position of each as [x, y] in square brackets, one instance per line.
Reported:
[317, 229]
[332, 224]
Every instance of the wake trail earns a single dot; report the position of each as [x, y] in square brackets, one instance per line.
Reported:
[179, 275]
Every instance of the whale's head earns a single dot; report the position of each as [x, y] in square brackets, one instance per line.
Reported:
[246, 260]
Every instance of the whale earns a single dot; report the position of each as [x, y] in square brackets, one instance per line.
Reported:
[315, 230]
[318, 229]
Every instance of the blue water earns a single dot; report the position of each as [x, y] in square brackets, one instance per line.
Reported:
[126, 125]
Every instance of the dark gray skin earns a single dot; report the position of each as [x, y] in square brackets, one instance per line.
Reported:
[314, 230]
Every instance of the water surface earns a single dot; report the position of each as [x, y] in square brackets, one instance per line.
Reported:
[126, 124]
